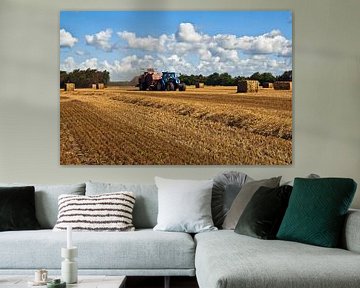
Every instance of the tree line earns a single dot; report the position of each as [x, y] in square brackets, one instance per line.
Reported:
[225, 79]
[84, 78]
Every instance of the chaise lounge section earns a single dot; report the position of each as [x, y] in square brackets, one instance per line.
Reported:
[225, 259]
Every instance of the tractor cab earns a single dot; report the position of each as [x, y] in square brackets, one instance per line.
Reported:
[170, 77]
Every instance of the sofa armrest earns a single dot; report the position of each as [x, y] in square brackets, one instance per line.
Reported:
[351, 234]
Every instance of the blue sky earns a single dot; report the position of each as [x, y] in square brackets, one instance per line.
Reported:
[198, 42]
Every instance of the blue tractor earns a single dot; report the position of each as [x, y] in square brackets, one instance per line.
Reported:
[170, 82]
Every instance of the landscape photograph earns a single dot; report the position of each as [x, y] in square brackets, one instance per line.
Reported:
[176, 88]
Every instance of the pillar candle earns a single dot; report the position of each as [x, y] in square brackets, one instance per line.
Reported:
[69, 237]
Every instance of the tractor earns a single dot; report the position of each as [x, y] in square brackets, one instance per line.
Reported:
[170, 82]
[155, 81]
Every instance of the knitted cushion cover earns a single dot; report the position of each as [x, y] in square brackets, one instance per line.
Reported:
[105, 212]
[316, 211]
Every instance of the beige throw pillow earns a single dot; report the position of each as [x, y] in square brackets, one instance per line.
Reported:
[243, 198]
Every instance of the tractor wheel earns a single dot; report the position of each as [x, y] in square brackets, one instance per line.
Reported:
[158, 86]
[170, 86]
[182, 87]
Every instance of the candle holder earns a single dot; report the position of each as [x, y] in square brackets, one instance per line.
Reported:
[69, 271]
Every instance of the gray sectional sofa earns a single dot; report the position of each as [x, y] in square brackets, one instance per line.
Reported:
[219, 259]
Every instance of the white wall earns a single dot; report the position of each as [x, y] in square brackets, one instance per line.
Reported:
[326, 91]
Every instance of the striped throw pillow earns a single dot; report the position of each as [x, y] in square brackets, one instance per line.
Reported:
[105, 212]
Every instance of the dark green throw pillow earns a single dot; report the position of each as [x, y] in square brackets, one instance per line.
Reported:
[17, 208]
[263, 214]
[316, 211]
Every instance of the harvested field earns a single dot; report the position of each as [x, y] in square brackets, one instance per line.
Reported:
[208, 126]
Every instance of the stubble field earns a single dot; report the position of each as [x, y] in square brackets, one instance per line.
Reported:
[206, 126]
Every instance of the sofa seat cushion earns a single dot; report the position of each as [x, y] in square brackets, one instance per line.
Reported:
[142, 249]
[226, 259]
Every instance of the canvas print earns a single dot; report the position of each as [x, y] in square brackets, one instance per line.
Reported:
[176, 88]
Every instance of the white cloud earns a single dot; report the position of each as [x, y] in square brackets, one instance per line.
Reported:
[101, 40]
[176, 64]
[191, 52]
[68, 65]
[224, 54]
[205, 54]
[129, 66]
[89, 64]
[187, 33]
[66, 39]
[226, 46]
[148, 43]
[124, 67]
[269, 43]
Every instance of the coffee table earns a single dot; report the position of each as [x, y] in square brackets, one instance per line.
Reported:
[84, 281]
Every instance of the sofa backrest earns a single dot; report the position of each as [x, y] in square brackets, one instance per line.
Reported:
[146, 203]
[46, 200]
[351, 231]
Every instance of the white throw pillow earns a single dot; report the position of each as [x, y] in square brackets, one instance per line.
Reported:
[184, 205]
[105, 212]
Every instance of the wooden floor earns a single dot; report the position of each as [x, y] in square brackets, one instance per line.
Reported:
[158, 282]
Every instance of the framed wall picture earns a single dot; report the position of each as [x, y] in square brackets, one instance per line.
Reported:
[176, 88]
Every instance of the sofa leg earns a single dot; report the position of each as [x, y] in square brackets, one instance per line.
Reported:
[167, 282]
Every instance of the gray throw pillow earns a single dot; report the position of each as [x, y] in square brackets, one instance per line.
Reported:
[310, 176]
[184, 205]
[242, 199]
[46, 200]
[226, 187]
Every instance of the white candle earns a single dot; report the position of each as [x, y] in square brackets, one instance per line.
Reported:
[69, 239]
